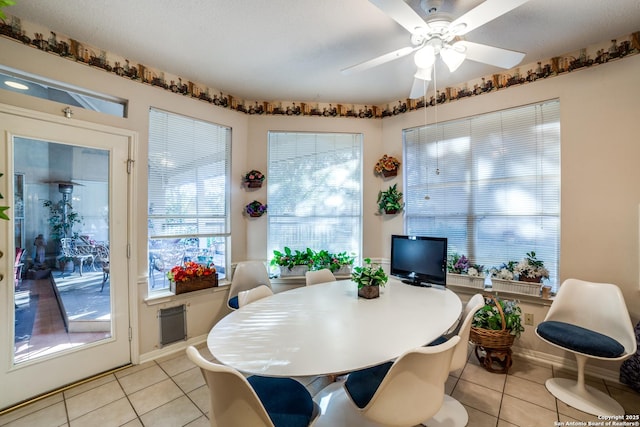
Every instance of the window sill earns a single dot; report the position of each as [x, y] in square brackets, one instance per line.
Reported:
[529, 299]
[164, 296]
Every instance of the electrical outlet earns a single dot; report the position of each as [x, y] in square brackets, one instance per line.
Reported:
[528, 319]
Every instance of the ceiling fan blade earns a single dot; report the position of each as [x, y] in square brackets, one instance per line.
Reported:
[483, 13]
[491, 55]
[379, 60]
[419, 88]
[400, 12]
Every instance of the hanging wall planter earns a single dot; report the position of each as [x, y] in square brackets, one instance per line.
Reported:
[390, 201]
[387, 166]
[255, 209]
[253, 179]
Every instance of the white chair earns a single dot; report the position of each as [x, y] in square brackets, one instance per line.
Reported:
[256, 401]
[453, 413]
[247, 275]
[401, 393]
[591, 321]
[251, 295]
[319, 276]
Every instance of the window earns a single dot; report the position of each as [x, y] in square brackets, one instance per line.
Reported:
[490, 184]
[188, 220]
[314, 192]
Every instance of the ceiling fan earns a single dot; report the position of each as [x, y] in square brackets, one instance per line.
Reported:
[440, 35]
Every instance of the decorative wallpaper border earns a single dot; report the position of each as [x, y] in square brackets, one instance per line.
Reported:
[85, 54]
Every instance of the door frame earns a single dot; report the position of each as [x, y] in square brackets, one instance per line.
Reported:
[6, 234]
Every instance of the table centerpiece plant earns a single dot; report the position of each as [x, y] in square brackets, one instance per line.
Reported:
[369, 277]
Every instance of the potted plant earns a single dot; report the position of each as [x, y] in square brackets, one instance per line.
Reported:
[292, 262]
[255, 209]
[369, 278]
[531, 269]
[61, 225]
[461, 272]
[390, 201]
[340, 262]
[387, 166]
[254, 178]
[192, 277]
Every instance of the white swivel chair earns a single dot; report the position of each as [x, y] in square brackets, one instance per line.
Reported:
[251, 295]
[247, 275]
[256, 401]
[401, 393]
[453, 413]
[591, 321]
[319, 276]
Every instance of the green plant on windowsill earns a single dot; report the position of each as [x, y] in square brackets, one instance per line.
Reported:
[390, 201]
[290, 259]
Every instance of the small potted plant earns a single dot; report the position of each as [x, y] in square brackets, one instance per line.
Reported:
[292, 262]
[255, 209]
[460, 271]
[369, 278]
[390, 201]
[254, 178]
[387, 166]
[531, 269]
[192, 277]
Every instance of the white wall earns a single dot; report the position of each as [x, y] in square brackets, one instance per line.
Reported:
[600, 191]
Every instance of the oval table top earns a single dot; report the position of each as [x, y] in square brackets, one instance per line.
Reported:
[327, 329]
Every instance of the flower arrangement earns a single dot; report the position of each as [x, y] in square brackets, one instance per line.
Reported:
[190, 271]
[531, 269]
[314, 260]
[460, 264]
[255, 209]
[325, 259]
[369, 275]
[290, 259]
[504, 271]
[254, 175]
[488, 317]
[386, 165]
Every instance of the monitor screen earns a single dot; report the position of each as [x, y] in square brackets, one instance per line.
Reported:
[419, 260]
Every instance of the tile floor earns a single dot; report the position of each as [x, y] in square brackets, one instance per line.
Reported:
[171, 392]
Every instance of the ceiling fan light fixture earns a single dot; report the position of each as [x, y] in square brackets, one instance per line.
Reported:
[424, 73]
[453, 56]
[425, 57]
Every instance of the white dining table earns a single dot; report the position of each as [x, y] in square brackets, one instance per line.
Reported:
[327, 329]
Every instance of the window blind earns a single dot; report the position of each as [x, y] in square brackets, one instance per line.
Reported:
[489, 183]
[314, 191]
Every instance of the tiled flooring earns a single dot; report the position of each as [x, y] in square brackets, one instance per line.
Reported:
[171, 392]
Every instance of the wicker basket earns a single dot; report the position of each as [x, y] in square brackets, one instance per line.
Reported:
[494, 339]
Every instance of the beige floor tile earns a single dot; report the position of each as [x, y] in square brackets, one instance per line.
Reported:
[178, 412]
[522, 368]
[114, 414]
[189, 380]
[94, 398]
[477, 374]
[630, 400]
[177, 364]
[133, 423]
[530, 391]
[503, 423]
[580, 417]
[450, 384]
[200, 397]
[154, 396]
[135, 368]
[527, 414]
[478, 397]
[480, 419]
[200, 422]
[141, 379]
[88, 386]
[31, 408]
[50, 416]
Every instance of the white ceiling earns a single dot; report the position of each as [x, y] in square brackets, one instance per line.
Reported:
[272, 50]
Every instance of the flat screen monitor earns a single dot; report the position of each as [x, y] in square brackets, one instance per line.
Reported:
[419, 260]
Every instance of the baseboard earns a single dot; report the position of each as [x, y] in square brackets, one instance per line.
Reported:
[170, 349]
[567, 363]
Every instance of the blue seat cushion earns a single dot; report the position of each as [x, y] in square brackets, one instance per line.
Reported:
[233, 302]
[579, 339]
[287, 402]
[440, 340]
[362, 385]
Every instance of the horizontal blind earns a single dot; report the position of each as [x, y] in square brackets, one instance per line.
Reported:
[489, 183]
[314, 191]
[188, 176]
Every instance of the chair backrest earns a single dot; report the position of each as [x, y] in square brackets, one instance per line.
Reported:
[413, 389]
[251, 295]
[599, 307]
[319, 276]
[234, 403]
[248, 275]
[461, 352]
